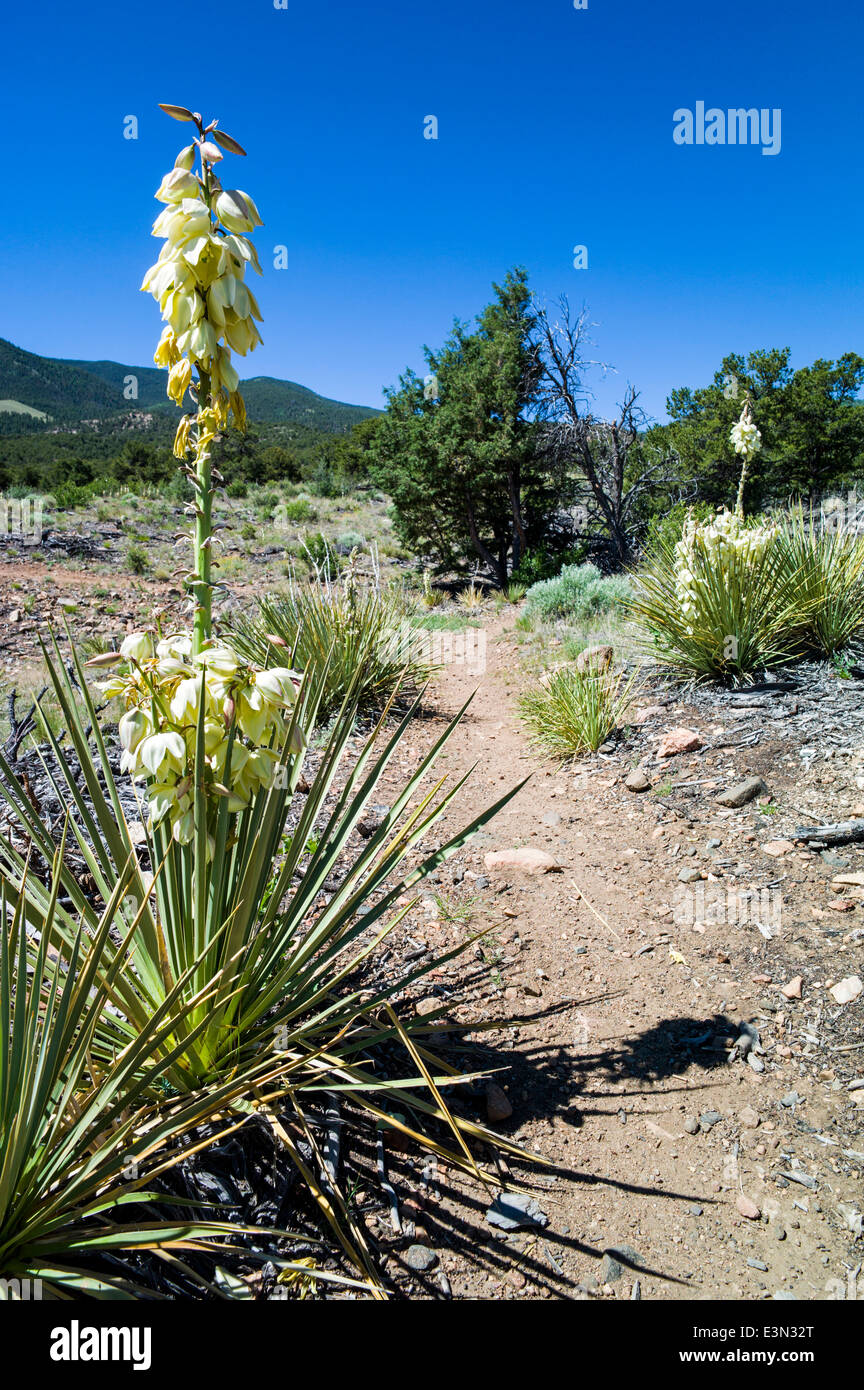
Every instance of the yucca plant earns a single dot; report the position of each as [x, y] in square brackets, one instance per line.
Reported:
[84, 1147]
[720, 616]
[576, 711]
[250, 927]
[826, 567]
[343, 634]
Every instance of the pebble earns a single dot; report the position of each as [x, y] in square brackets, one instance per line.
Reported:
[636, 781]
[678, 741]
[708, 1119]
[776, 848]
[691, 1124]
[792, 989]
[746, 1207]
[758, 1264]
[749, 1118]
[755, 1062]
[512, 1210]
[498, 1106]
[420, 1257]
[742, 792]
[845, 991]
[689, 875]
[531, 861]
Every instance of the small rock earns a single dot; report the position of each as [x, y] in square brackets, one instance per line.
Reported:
[777, 848]
[746, 1207]
[532, 861]
[689, 875]
[678, 741]
[614, 1260]
[845, 991]
[708, 1119]
[855, 880]
[552, 818]
[834, 861]
[595, 659]
[498, 1107]
[420, 1257]
[792, 989]
[758, 1264]
[694, 1210]
[791, 1099]
[749, 1118]
[481, 881]
[691, 1124]
[742, 792]
[636, 781]
[755, 1063]
[512, 1210]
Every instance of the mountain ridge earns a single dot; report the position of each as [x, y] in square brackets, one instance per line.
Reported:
[68, 390]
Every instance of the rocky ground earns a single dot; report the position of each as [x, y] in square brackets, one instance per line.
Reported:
[668, 990]
[657, 927]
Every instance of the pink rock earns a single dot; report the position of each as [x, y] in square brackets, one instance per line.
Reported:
[531, 861]
[792, 990]
[745, 1206]
[776, 848]
[678, 741]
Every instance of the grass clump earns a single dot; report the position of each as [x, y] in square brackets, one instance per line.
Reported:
[826, 567]
[345, 635]
[576, 710]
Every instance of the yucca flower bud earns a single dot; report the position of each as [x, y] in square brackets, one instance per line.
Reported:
[138, 646]
[180, 183]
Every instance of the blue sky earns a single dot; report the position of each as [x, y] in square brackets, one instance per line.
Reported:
[554, 129]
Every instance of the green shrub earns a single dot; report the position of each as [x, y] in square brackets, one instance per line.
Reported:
[348, 541]
[236, 490]
[576, 711]
[296, 509]
[580, 593]
[137, 559]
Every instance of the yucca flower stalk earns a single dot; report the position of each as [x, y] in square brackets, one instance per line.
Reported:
[198, 282]
[746, 441]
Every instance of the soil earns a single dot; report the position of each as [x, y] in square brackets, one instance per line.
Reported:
[625, 1016]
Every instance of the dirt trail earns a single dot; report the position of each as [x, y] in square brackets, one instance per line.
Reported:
[628, 1018]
